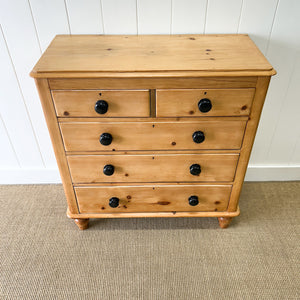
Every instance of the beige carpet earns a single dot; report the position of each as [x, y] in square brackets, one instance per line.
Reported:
[44, 256]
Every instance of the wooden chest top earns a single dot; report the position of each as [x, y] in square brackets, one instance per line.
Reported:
[157, 55]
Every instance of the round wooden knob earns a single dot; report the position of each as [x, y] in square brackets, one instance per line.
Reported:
[204, 105]
[114, 202]
[101, 107]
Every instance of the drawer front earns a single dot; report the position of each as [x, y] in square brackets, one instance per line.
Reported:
[203, 102]
[152, 198]
[116, 103]
[153, 136]
[152, 168]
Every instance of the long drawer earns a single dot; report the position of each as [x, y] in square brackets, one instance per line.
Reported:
[108, 103]
[156, 198]
[152, 168]
[203, 102]
[208, 134]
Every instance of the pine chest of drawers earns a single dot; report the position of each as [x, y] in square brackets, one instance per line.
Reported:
[152, 126]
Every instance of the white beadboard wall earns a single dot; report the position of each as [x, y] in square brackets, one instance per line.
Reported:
[27, 27]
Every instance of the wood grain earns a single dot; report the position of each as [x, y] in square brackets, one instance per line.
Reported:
[173, 214]
[209, 53]
[153, 136]
[82, 223]
[148, 120]
[49, 112]
[152, 168]
[258, 102]
[195, 151]
[148, 81]
[121, 103]
[224, 221]
[152, 198]
[183, 103]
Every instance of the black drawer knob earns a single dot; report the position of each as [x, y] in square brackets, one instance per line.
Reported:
[106, 139]
[101, 107]
[108, 170]
[114, 202]
[198, 137]
[193, 201]
[204, 105]
[195, 169]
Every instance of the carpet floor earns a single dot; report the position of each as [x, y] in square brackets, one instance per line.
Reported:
[43, 255]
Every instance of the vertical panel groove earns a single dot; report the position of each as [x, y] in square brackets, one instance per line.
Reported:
[85, 16]
[68, 17]
[240, 17]
[23, 99]
[137, 17]
[33, 21]
[10, 142]
[281, 106]
[102, 16]
[271, 30]
[171, 18]
[294, 150]
[223, 16]
[204, 30]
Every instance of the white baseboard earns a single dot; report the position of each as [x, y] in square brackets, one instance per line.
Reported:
[273, 173]
[29, 176]
[46, 176]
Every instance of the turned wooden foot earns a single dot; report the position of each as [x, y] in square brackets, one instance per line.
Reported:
[82, 223]
[224, 222]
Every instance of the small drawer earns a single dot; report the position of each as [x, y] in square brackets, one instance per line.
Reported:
[97, 136]
[203, 102]
[102, 103]
[152, 168]
[156, 198]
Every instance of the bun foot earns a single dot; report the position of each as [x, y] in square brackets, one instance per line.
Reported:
[224, 222]
[82, 223]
